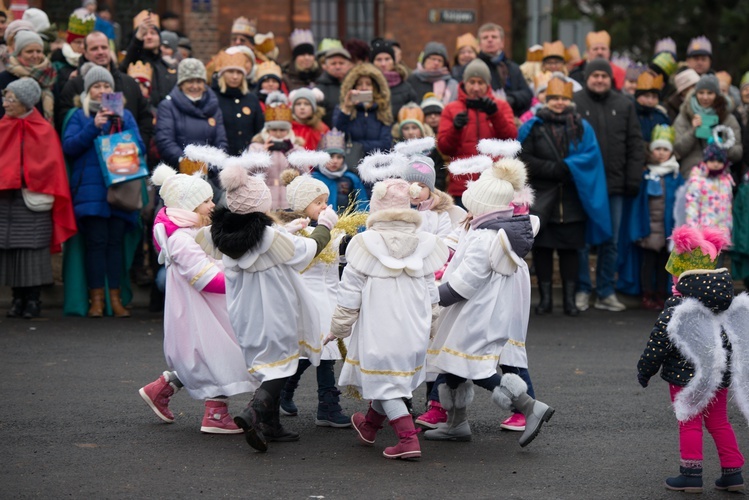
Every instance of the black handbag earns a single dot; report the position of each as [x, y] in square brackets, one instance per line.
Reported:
[353, 154]
[127, 196]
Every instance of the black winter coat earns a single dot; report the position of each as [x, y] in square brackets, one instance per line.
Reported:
[331, 89]
[519, 95]
[714, 291]
[614, 120]
[134, 101]
[243, 118]
[556, 197]
[164, 76]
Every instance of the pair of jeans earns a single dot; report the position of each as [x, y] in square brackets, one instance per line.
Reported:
[715, 416]
[104, 255]
[607, 255]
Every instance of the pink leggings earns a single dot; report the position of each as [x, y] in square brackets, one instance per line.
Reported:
[716, 421]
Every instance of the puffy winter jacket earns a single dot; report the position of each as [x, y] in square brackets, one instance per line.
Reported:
[649, 118]
[614, 120]
[243, 118]
[462, 143]
[516, 89]
[182, 122]
[86, 179]
[331, 89]
[365, 129]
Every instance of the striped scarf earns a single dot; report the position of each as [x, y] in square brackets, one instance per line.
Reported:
[44, 74]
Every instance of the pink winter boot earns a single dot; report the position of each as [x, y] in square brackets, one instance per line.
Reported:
[217, 420]
[367, 426]
[436, 414]
[157, 394]
[408, 446]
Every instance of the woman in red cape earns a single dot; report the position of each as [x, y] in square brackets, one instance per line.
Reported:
[32, 174]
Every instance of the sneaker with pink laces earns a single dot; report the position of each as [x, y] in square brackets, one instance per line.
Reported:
[516, 422]
[217, 420]
[433, 416]
[157, 394]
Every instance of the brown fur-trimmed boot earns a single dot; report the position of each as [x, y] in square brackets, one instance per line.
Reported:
[118, 309]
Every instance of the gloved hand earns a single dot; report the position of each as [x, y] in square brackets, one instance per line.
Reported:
[642, 380]
[460, 120]
[488, 106]
[297, 225]
[328, 218]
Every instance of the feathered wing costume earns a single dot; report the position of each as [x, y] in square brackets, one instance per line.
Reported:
[734, 322]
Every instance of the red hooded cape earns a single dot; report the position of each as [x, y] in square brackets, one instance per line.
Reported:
[33, 143]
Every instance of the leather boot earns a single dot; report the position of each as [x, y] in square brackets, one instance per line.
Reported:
[270, 425]
[568, 298]
[367, 426]
[96, 302]
[730, 480]
[249, 419]
[545, 304]
[408, 444]
[118, 309]
[18, 304]
[455, 402]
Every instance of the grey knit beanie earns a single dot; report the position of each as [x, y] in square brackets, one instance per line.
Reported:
[708, 82]
[598, 64]
[304, 93]
[420, 169]
[169, 39]
[94, 75]
[436, 49]
[25, 38]
[477, 68]
[190, 69]
[26, 90]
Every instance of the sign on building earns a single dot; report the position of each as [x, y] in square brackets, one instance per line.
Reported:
[452, 16]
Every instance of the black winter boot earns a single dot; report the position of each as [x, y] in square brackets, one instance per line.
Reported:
[18, 304]
[730, 480]
[271, 427]
[33, 307]
[288, 407]
[250, 419]
[329, 411]
[568, 298]
[689, 479]
[545, 304]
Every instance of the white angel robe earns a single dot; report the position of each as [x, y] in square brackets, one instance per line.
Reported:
[322, 279]
[495, 282]
[271, 309]
[199, 342]
[394, 296]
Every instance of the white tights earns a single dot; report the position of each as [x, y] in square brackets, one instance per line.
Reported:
[393, 408]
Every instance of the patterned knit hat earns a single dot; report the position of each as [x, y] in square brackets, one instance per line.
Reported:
[80, 24]
[713, 152]
[695, 248]
[183, 191]
[390, 194]
[420, 169]
[302, 190]
[190, 69]
[26, 90]
[246, 193]
[432, 104]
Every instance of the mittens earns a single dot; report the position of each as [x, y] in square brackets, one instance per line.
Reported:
[328, 218]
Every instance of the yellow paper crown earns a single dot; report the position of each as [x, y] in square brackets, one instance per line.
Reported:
[572, 53]
[598, 38]
[553, 49]
[559, 88]
[663, 133]
[244, 26]
[646, 81]
[140, 70]
[535, 53]
[278, 113]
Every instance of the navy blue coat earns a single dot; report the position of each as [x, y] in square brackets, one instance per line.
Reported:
[181, 122]
[365, 129]
[86, 179]
[649, 118]
[243, 118]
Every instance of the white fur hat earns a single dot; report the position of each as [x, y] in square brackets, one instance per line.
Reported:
[183, 191]
[495, 188]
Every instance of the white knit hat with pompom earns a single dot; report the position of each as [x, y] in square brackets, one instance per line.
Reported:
[183, 191]
[495, 188]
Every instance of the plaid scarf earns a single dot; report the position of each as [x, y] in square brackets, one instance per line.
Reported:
[44, 74]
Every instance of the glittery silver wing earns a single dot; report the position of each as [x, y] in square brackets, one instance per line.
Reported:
[695, 331]
[735, 322]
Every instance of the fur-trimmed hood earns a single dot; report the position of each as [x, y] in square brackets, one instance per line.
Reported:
[381, 93]
[444, 201]
[286, 216]
[236, 234]
[403, 215]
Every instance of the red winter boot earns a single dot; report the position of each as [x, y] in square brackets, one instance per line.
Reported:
[367, 426]
[217, 420]
[408, 446]
[157, 394]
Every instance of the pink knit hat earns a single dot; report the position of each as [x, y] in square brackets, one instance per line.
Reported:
[245, 193]
[390, 193]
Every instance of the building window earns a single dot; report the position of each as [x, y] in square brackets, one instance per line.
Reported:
[343, 19]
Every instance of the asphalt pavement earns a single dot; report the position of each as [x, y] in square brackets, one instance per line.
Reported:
[73, 425]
